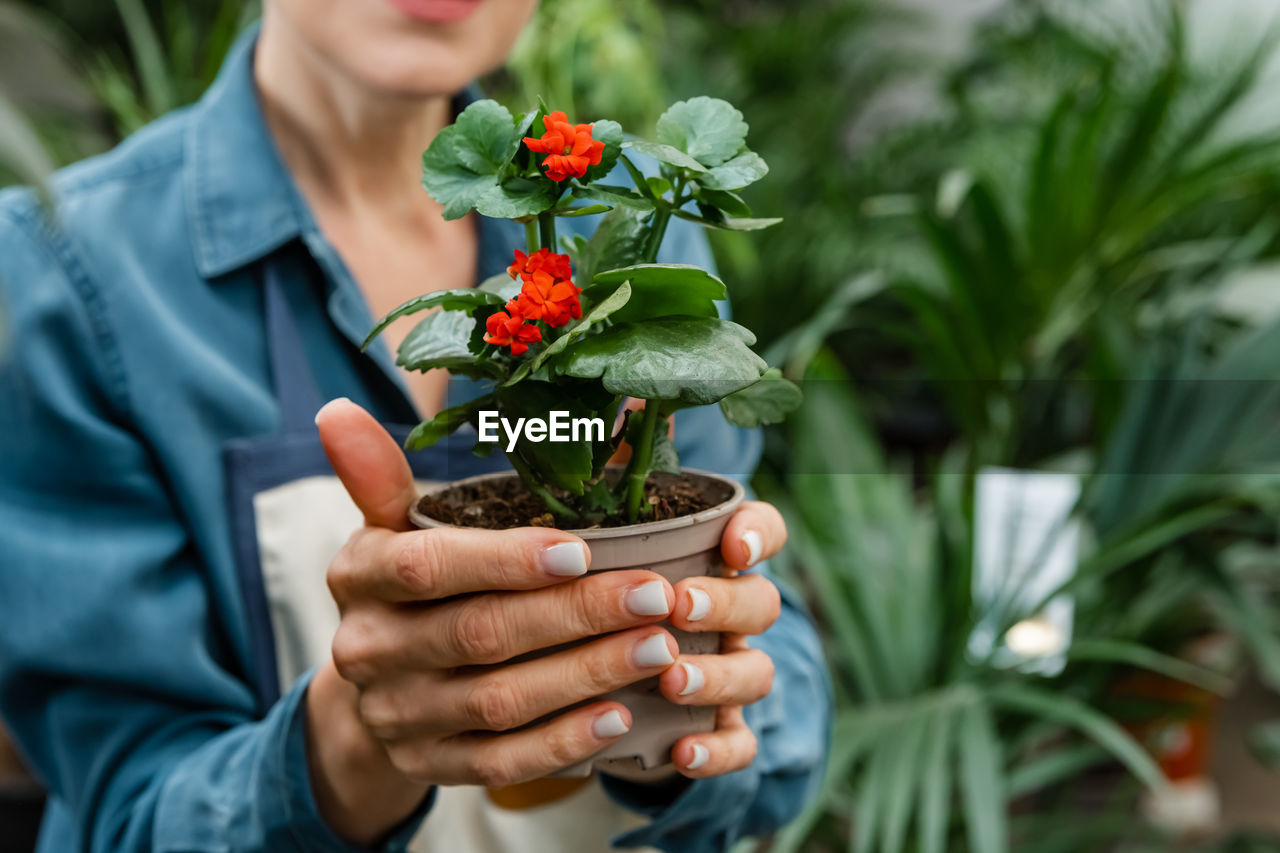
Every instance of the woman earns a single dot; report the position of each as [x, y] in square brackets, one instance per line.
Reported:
[170, 521]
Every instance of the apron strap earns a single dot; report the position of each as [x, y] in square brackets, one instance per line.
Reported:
[297, 393]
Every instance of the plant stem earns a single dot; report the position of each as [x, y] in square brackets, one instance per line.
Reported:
[531, 483]
[641, 463]
[658, 230]
[531, 236]
[547, 228]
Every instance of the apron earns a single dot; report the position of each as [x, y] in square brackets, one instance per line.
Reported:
[289, 516]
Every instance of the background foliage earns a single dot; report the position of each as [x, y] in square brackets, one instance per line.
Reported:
[1050, 243]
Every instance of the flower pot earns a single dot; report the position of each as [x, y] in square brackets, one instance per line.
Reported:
[676, 548]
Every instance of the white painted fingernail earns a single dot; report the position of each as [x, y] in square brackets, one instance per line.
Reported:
[609, 725]
[648, 599]
[693, 679]
[754, 545]
[653, 651]
[565, 560]
[328, 404]
[700, 756]
[699, 604]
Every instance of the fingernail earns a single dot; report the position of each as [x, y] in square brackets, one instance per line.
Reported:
[652, 651]
[700, 756]
[754, 545]
[565, 560]
[320, 411]
[648, 599]
[699, 604]
[693, 679]
[609, 725]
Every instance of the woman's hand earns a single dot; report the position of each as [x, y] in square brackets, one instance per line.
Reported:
[739, 605]
[414, 696]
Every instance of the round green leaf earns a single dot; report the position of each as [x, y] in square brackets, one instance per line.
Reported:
[661, 290]
[765, 402]
[743, 170]
[696, 360]
[708, 129]
[460, 299]
[666, 154]
[464, 160]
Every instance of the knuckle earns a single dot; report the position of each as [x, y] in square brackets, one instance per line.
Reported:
[596, 672]
[410, 760]
[562, 747]
[478, 633]
[765, 678]
[774, 601]
[493, 705]
[493, 769]
[750, 747]
[353, 654]
[418, 562]
[379, 715]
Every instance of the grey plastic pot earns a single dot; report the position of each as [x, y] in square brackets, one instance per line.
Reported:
[676, 548]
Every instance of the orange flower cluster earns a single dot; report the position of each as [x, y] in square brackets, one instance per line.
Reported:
[547, 294]
[569, 147]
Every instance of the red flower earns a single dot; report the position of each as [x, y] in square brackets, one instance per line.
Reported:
[543, 260]
[508, 329]
[553, 301]
[569, 147]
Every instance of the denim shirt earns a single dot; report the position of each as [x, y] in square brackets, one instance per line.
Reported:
[135, 350]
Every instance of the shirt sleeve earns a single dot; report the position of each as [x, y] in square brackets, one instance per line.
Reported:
[116, 675]
[792, 724]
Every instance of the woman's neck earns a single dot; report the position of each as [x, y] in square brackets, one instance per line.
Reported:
[346, 144]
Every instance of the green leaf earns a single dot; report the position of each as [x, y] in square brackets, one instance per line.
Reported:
[517, 197]
[708, 129]
[765, 402]
[666, 154]
[661, 290]
[1133, 654]
[665, 456]
[441, 340]
[935, 783]
[729, 204]
[432, 430]
[619, 240]
[730, 223]
[610, 133]
[582, 210]
[461, 299]
[602, 310]
[614, 195]
[695, 360]
[564, 464]
[1102, 729]
[659, 186]
[742, 171]
[982, 783]
[465, 160]
[501, 284]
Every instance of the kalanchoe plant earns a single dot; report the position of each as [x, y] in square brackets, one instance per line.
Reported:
[583, 330]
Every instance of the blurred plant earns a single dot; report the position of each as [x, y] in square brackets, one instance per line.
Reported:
[930, 745]
[591, 58]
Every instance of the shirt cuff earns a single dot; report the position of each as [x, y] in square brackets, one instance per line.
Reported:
[294, 797]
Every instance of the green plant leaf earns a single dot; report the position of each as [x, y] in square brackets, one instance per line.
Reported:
[665, 154]
[727, 203]
[661, 290]
[610, 133]
[613, 195]
[1071, 712]
[935, 774]
[463, 164]
[742, 171]
[564, 464]
[730, 223]
[582, 210]
[460, 299]
[442, 340]
[432, 430]
[599, 312]
[765, 402]
[619, 241]
[695, 360]
[982, 782]
[707, 129]
[1134, 654]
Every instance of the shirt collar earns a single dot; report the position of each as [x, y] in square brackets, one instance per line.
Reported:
[242, 201]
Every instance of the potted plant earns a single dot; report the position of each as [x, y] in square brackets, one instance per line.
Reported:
[563, 340]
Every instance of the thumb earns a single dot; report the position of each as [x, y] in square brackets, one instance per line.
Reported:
[369, 463]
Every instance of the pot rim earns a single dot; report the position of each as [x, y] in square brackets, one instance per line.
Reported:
[644, 528]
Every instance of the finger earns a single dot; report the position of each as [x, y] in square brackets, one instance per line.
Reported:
[514, 695]
[492, 628]
[748, 604]
[737, 678]
[369, 462]
[426, 565]
[496, 761]
[732, 746]
[756, 532]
